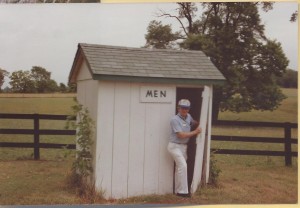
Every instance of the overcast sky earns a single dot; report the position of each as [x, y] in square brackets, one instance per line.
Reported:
[47, 35]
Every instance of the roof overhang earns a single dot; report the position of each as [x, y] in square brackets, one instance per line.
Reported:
[159, 80]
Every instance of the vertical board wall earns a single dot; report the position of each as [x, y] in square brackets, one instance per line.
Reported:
[131, 155]
[87, 90]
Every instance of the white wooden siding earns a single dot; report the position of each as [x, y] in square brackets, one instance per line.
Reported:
[105, 126]
[132, 156]
[136, 144]
[87, 90]
[152, 136]
[121, 140]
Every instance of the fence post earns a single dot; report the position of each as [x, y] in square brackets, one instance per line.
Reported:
[287, 144]
[36, 137]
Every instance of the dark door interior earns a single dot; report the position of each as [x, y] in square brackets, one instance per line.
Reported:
[194, 95]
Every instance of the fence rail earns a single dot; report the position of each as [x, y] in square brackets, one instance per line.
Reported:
[36, 132]
[287, 140]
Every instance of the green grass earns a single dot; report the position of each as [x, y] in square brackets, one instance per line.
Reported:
[243, 180]
[35, 182]
[36, 105]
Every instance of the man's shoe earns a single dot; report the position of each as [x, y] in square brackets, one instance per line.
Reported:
[183, 195]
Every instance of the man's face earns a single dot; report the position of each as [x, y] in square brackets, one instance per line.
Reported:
[183, 111]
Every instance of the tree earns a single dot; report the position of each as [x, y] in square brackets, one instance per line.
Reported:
[294, 16]
[62, 87]
[232, 35]
[72, 87]
[52, 86]
[21, 82]
[289, 79]
[37, 80]
[160, 36]
[42, 80]
[3, 74]
[6, 90]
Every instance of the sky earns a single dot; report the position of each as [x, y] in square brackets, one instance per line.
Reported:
[47, 35]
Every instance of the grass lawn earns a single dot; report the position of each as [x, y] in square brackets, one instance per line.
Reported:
[35, 182]
[36, 105]
[243, 180]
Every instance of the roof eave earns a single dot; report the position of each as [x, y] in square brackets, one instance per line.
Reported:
[161, 80]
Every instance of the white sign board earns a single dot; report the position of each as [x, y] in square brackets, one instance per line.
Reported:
[155, 94]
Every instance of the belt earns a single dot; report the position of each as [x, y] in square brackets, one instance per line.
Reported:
[179, 143]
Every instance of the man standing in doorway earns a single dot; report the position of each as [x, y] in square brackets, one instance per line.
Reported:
[177, 147]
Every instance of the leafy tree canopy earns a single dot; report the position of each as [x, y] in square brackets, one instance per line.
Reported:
[289, 79]
[41, 79]
[3, 74]
[37, 80]
[232, 35]
[160, 36]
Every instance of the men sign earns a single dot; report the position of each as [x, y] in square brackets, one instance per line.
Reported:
[155, 94]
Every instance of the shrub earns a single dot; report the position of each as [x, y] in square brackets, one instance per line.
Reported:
[82, 166]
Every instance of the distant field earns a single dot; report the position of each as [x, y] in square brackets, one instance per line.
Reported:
[58, 104]
[243, 180]
[42, 105]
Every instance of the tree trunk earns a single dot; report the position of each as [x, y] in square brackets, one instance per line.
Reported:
[217, 97]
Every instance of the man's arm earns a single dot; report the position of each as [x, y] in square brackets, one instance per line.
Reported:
[194, 124]
[185, 135]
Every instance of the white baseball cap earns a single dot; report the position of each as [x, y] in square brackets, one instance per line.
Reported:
[184, 103]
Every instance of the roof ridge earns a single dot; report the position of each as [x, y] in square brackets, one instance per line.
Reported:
[140, 49]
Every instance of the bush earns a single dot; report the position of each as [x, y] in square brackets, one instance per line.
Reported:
[214, 171]
[82, 167]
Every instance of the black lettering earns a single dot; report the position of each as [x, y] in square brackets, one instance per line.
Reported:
[155, 93]
[149, 93]
[163, 93]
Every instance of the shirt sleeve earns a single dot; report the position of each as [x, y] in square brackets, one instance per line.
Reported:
[175, 125]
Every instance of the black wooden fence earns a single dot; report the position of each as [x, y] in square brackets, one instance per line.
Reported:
[287, 140]
[36, 132]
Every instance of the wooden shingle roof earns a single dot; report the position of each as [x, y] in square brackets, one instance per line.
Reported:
[150, 65]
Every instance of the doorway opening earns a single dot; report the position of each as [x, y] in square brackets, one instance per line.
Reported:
[194, 95]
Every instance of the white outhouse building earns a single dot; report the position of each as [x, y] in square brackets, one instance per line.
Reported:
[131, 94]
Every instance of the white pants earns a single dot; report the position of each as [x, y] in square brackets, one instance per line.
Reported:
[178, 152]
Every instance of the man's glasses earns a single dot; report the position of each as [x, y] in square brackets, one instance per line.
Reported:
[185, 108]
